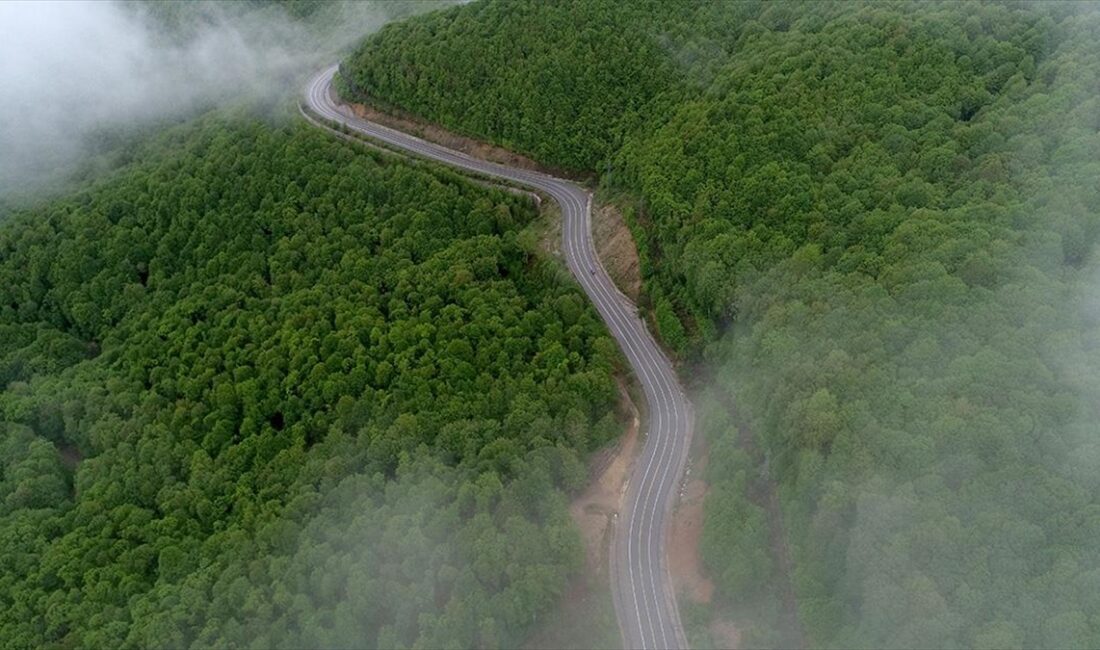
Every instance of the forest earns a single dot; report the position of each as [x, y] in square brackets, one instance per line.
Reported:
[262, 388]
[872, 226]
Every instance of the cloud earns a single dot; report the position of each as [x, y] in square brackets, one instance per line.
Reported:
[70, 69]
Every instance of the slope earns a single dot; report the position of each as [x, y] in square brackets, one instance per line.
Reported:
[262, 389]
[874, 224]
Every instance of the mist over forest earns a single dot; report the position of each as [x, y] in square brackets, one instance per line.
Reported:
[262, 387]
[77, 76]
[871, 228]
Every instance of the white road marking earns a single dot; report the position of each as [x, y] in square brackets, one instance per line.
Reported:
[654, 619]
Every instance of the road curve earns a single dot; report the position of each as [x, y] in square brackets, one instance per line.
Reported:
[645, 600]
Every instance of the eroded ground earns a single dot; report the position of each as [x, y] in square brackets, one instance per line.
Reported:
[449, 139]
[685, 562]
[616, 248]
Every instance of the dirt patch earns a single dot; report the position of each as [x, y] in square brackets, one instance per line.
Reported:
[585, 617]
[396, 119]
[684, 561]
[548, 229]
[616, 248]
[594, 510]
[614, 243]
[683, 556]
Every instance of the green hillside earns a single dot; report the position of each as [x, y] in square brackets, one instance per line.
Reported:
[559, 82]
[262, 389]
[874, 226]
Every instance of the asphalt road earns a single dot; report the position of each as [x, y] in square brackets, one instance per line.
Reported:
[645, 601]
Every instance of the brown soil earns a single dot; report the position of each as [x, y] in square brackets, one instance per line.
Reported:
[614, 243]
[685, 564]
[595, 508]
[616, 248]
[578, 621]
[549, 229]
[434, 133]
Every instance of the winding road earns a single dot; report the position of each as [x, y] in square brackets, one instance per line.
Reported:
[645, 600]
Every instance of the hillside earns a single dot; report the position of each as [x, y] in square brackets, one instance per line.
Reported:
[264, 389]
[563, 97]
[874, 227]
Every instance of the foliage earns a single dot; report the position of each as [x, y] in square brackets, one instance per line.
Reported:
[553, 80]
[887, 215]
[320, 400]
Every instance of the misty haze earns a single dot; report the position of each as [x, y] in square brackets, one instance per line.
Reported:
[74, 70]
[529, 324]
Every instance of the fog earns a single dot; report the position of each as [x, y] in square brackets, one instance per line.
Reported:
[71, 69]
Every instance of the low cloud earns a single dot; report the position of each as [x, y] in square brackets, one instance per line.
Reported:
[71, 69]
